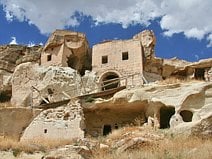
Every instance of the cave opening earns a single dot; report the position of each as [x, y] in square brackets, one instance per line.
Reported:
[165, 115]
[106, 130]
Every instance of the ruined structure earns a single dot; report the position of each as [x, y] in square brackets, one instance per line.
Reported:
[76, 105]
[67, 49]
[120, 62]
[63, 123]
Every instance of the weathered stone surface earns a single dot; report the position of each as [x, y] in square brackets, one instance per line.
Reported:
[13, 121]
[62, 123]
[157, 69]
[11, 55]
[169, 105]
[48, 82]
[148, 41]
[67, 49]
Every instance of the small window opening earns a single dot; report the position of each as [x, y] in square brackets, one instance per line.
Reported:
[45, 131]
[49, 57]
[52, 49]
[104, 59]
[186, 115]
[68, 40]
[125, 56]
[106, 129]
[43, 101]
[116, 126]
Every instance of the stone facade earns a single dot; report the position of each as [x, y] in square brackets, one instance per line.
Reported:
[66, 49]
[123, 58]
[116, 63]
[62, 123]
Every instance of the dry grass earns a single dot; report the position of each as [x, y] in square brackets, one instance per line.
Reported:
[166, 148]
[32, 145]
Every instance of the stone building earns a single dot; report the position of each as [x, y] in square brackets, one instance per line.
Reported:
[120, 62]
[67, 49]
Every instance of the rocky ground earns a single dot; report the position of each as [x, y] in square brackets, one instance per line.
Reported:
[130, 142]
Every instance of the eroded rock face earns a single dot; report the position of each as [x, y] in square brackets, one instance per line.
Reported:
[174, 105]
[62, 123]
[148, 41]
[30, 82]
[10, 57]
[67, 49]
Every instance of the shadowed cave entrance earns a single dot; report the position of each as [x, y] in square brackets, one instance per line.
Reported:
[165, 115]
[107, 129]
[110, 80]
[199, 74]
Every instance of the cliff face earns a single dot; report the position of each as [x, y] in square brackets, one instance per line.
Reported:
[10, 57]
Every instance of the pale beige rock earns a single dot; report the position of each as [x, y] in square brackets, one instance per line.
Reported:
[50, 82]
[183, 104]
[62, 123]
[68, 49]
[13, 121]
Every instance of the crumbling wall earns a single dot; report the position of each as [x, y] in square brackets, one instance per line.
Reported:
[13, 121]
[67, 49]
[62, 123]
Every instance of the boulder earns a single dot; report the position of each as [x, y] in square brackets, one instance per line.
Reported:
[33, 85]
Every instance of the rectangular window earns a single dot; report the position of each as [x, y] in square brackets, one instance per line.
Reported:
[49, 57]
[125, 56]
[104, 59]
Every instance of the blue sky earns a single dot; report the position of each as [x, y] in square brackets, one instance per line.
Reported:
[181, 30]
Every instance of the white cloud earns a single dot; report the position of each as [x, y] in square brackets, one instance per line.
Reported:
[13, 41]
[191, 17]
[31, 44]
[209, 38]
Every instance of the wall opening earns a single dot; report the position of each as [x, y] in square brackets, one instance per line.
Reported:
[49, 57]
[165, 115]
[104, 59]
[110, 81]
[116, 126]
[199, 73]
[186, 115]
[44, 102]
[45, 131]
[125, 56]
[107, 129]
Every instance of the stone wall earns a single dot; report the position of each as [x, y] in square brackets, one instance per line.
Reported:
[62, 123]
[13, 121]
[113, 51]
[67, 49]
